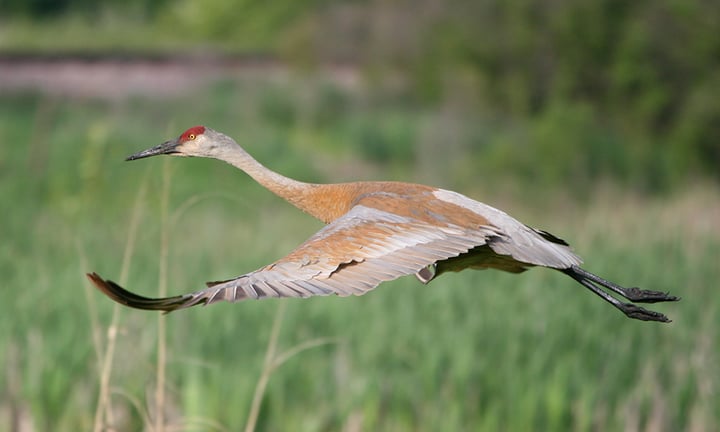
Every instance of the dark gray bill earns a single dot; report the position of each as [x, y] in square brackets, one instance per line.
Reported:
[168, 147]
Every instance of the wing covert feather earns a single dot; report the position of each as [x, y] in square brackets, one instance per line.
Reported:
[351, 255]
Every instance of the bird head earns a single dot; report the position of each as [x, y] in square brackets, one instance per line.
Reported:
[197, 141]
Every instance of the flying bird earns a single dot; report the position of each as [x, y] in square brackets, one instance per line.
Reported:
[378, 231]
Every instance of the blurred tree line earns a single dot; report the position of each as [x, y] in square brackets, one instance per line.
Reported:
[559, 89]
[569, 89]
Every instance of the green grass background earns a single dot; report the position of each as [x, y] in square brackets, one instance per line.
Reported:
[481, 351]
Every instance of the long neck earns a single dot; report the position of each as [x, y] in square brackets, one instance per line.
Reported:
[295, 192]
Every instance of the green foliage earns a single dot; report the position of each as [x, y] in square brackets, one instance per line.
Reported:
[647, 71]
[243, 24]
[643, 74]
[540, 99]
[476, 350]
[382, 139]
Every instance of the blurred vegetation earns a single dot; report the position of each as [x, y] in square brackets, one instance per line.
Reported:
[556, 90]
[598, 121]
[481, 351]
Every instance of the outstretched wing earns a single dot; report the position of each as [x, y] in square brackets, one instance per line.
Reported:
[352, 255]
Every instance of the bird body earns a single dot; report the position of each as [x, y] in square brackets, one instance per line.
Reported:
[377, 231]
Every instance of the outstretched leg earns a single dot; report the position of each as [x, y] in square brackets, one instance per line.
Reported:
[633, 294]
[594, 284]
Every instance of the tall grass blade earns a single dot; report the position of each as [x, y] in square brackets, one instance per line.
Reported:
[267, 368]
[162, 292]
[104, 405]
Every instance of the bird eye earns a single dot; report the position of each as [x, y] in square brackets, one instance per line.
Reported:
[191, 136]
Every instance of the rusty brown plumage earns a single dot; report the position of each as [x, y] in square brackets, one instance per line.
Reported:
[375, 232]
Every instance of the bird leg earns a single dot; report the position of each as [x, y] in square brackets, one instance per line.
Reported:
[633, 294]
[590, 280]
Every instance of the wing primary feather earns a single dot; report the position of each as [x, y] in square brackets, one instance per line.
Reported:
[351, 255]
[123, 296]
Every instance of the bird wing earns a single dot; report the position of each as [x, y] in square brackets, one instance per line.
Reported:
[351, 255]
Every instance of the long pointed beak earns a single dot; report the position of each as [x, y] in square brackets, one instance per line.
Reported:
[168, 147]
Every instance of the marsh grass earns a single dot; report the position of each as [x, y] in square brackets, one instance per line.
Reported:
[429, 355]
[104, 413]
[475, 350]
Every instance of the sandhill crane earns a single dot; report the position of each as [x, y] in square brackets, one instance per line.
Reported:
[375, 232]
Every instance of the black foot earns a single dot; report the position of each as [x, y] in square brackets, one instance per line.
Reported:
[647, 296]
[636, 312]
[594, 284]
